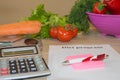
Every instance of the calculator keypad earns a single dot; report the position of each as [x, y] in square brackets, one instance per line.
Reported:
[11, 66]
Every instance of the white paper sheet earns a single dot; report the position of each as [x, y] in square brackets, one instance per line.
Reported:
[57, 54]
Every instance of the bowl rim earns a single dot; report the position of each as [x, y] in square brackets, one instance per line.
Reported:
[94, 14]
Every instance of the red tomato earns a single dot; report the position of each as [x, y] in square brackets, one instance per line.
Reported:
[99, 8]
[64, 35]
[113, 6]
[53, 32]
[75, 31]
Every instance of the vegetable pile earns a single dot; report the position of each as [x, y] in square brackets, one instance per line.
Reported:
[53, 24]
[47, 19]
[107, 7]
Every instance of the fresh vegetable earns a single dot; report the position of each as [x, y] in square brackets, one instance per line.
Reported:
[73, 28]
[56, 21]
[113, 6]
[64, 35]
[53, 32]
[43, 34]
[47, 19]
[41, 15]
[78, 15]
[99, 8]
[19, 28]
[75, 31]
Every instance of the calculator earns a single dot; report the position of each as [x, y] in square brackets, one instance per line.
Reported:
[22, 62]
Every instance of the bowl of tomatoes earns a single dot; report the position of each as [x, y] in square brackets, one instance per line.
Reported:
[106, 17]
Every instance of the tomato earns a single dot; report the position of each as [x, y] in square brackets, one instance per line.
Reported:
[64, 35]
[73, 28]
[99, 8]
[113, 6]
[53, 32]
[75, 31]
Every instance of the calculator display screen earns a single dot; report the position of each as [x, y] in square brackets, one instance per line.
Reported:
[18, 51]
[12, 53]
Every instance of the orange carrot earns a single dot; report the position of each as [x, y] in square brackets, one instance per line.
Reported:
[19, 28]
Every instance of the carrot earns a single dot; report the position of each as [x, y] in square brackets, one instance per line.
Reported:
[20, 28]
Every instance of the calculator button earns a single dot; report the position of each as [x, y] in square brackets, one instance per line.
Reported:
[12, 64]
[23, 66]
[33, 69]
[23, 70]
[4, 72]
[13, 71]
[32, 65]
[12, 61]
[21, 60]
[31, 62]
[4, 69]
[22, 63]
[13, 67]
[29, 59]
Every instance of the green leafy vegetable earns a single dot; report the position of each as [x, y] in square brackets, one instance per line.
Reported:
[57, 20]
[47, 19]
[78, 15]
